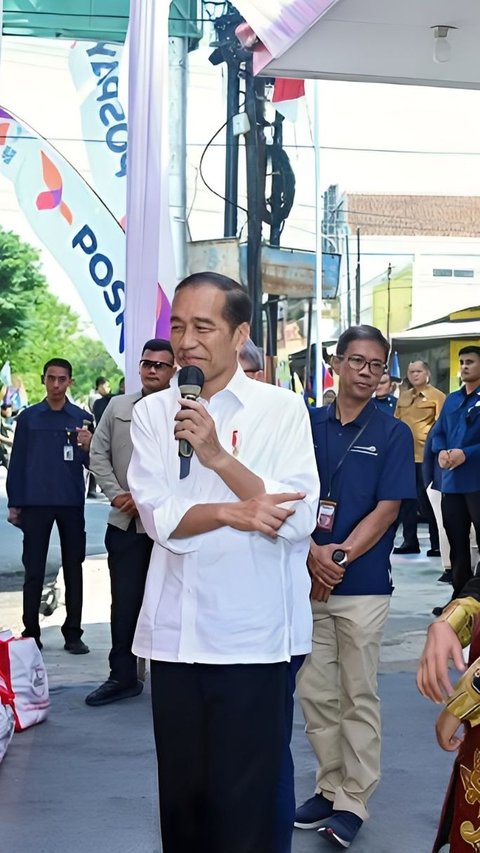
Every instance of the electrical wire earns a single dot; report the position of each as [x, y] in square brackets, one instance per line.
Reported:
[202, 176]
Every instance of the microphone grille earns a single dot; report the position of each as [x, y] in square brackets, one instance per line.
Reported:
[191, 375]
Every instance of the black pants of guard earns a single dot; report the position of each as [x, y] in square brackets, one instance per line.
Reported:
[220, 739]
[37, 523]
[128, 559]
[408, 514]
[459, 512]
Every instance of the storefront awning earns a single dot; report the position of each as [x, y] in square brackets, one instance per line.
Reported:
[379, 41]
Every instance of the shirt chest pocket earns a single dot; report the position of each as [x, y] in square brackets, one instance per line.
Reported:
[357, 477]
[122, 431]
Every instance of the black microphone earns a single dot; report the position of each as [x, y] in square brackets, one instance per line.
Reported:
[190, 384]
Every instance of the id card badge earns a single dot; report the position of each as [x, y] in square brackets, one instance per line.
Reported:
[326, 515]
[68, 452]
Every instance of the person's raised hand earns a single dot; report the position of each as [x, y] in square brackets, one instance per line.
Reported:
[441, 646]
[194, 424]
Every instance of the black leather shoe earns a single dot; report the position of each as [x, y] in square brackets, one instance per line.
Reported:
[113, 691]
[433, 552]
[407, 549]
[76, 647]
[446, 577]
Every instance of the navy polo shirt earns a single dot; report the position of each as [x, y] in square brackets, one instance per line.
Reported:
[459, 427]
[379, 466]
[38, 474]
[386, 404]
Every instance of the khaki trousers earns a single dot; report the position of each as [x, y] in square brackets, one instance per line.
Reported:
[337, 688]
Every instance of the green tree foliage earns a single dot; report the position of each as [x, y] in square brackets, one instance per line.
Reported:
[35, 326]
[90, 359]
[20, 282]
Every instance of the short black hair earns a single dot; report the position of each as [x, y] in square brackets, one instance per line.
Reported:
[100, 380]
[157, 345]
[361, 333]
[238, 305]
[58, 362]
[469, 348]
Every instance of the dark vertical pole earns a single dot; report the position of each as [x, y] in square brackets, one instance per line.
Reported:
[277, 184]
[349, 283]
[275, 232]
[231, 156]
[389, 276]
[255, 153]
[357, 281]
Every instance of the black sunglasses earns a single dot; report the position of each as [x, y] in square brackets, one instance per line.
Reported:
[158, 365]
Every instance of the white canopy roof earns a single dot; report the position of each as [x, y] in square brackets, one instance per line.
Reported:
[367, 40]
[447, 329]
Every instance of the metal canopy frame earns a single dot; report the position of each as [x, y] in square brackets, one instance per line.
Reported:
[92, 20]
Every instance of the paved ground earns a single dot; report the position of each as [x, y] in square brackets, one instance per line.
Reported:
[85, 780]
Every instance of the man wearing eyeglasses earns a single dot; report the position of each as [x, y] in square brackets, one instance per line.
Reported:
[366, 465]
[127, 544]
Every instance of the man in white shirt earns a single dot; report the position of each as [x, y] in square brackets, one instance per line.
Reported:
[227, 595]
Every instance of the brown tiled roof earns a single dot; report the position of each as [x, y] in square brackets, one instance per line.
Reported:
[428, 215]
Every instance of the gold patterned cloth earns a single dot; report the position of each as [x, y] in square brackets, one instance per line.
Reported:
[460, 819]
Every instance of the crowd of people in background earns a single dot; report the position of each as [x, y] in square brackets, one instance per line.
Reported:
[208, 562]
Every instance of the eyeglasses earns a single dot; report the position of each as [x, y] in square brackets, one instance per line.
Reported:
[358, 362]
[157, 365]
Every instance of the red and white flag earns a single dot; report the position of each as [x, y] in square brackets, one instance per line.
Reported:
[287, 94]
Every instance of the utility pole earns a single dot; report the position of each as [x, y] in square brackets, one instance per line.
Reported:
[357, 282]
[255, 154]
[389, 277]
[276, 223]
[231, 153]
[349, 283]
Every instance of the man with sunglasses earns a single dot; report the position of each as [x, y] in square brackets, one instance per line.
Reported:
[127, 544]
[366, 465]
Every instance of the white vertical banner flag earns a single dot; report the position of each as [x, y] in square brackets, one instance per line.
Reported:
[95, 71]
[151, 278]
[72, 223]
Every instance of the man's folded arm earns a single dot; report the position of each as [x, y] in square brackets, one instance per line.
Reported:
[297, 471]
[160, 510]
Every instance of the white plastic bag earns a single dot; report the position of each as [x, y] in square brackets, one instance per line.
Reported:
[22, 667]
[7, 717]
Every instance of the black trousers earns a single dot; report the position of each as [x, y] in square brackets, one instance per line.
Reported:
[37, 523]
[128, 560]
[408, 514]
[459, 512]
[220, 738]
